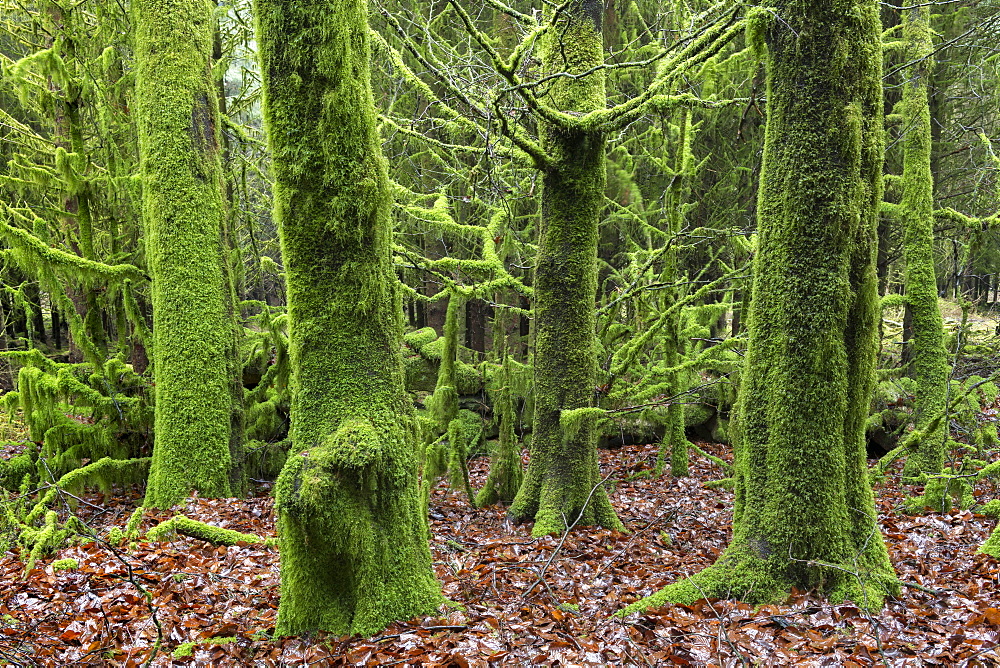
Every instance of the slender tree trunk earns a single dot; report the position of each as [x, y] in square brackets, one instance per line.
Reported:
[675, 441]
[56, 325]
[928, 354]
[804, 514]
[183, 212]
[354, 553]
[562, 484]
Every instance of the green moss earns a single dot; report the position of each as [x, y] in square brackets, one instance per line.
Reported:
[804, 513]
[468, 379]
[65, 565]
[104, 470]
[177, 117]
[421, 375]
[561, 485]
[354, 555]
[186, 649]
[942, 492]
[134, 521]
[506, 472]
[13, 470]
[179, 524]
[697, 414]
[420, 338]
[992, 544]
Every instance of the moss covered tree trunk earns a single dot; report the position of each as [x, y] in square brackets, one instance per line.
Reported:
[182, 208]
[354, 553]
[561, 484]
[804, 514]
[675, 443]
[930, 359]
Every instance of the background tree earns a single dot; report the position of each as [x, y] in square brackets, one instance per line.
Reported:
[562, 484]
[916, 212]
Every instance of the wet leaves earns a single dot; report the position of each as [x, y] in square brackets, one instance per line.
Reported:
[225, 599]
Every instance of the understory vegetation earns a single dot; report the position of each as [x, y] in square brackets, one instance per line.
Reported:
[598, 332]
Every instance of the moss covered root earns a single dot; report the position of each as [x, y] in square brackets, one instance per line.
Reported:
[185, 526]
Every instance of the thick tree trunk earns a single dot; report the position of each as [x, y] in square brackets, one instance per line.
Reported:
[562, 484]
[804, 514]
[354, 553]
[193, 328]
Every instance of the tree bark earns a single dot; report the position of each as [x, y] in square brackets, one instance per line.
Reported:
[927, 351]
[562, 484]
[193, 328]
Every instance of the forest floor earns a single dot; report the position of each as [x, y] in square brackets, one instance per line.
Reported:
[526, 601]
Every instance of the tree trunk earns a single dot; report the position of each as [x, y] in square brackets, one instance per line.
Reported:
[354, 553]
[927, 351]
[562, 484]
[183, 212]
[804, 513]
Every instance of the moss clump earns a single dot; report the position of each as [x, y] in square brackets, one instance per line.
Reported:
[186, 649]
[942, 492]
[13, 470]
[420, 338]
[65, 565]
[421, 375]
[698, 414]
[992, 545]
